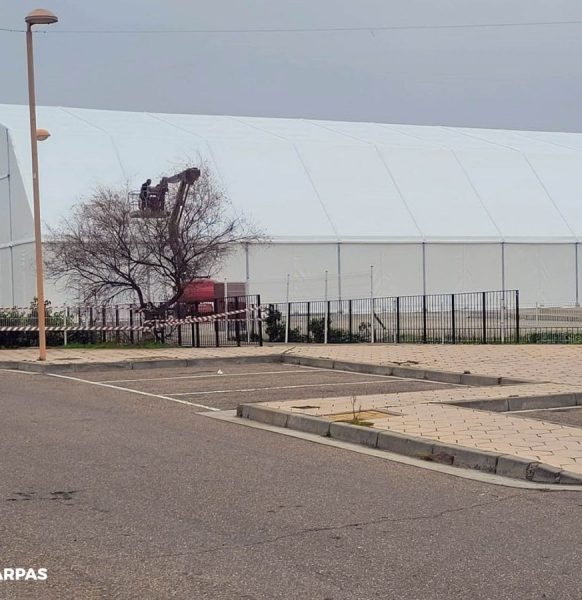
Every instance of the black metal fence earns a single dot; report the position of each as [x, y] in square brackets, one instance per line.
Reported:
[228, 321]
[474, 317]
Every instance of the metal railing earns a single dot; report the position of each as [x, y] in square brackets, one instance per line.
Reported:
[229, 321]
[474, 317]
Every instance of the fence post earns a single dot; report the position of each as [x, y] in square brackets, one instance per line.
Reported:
[397, 319]
[117, 335]
[373, 329]
[517, 316]
[216, 333]
[287, 319]
[131, 336]
[453, 334]
[103, 323]
[424, 319]
[66, 324]
[484, 307]
[350, 324]
[260, 324]
[308, 320]
[237, 322]
[326, 313]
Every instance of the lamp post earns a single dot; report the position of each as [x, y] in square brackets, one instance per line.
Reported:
[39, 16]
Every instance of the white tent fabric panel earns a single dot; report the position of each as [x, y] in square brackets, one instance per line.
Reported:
[462, 267]
[560, 175]
[305, 263]
[160, 147]
[458, 184]
[64, 183]
[23, 274]
[514, 140]
[511, 191]
[284, 201]
[439, 195]
[295, 130]
[214, 127]
[4, 145]
[357, 193]
[6, 292]
[5, 209]
[445, 138]
[543, 273]
[397, 269]
[20, 204]
[378, 134]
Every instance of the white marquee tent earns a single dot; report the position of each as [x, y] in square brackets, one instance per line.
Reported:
[433, 209]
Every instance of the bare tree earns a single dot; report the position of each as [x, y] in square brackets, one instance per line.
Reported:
[107, 250]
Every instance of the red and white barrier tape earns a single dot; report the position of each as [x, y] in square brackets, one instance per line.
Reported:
[147, 325]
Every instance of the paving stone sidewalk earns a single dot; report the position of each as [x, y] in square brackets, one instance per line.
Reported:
[555, 363]
[60, 356]
[431, 415]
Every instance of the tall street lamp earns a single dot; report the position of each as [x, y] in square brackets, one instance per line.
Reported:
[39, 16]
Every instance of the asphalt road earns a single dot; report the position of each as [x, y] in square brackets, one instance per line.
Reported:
[562, 416]
[122, 495]
[225, 385]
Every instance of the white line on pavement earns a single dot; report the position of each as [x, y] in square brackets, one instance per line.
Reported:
[19, 371]
[123, 389]
[431, 381]
[214, 374]
[278, 387]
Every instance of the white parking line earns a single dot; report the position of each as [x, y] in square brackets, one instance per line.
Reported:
[214, 374]
[123, 389]
[19, 371]
[278, 387]
[431, 381]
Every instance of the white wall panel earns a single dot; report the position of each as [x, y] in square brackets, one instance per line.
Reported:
[397, 269]
[305, 263]
[543, 273]
[462, 267]
[233, 268]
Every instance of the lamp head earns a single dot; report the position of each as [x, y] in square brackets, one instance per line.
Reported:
[41, 16]
[42, 135]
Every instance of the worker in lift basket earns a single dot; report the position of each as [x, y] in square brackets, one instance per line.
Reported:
[143, 194]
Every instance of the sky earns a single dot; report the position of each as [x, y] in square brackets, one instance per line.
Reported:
[525, 77]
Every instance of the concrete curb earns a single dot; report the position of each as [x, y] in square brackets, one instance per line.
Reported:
[519, 403]
[399, 371]
[467, 458]
[133, 364]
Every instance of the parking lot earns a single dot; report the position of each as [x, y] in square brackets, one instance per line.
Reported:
[224, 385]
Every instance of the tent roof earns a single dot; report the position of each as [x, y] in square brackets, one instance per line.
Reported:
[323, 180]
